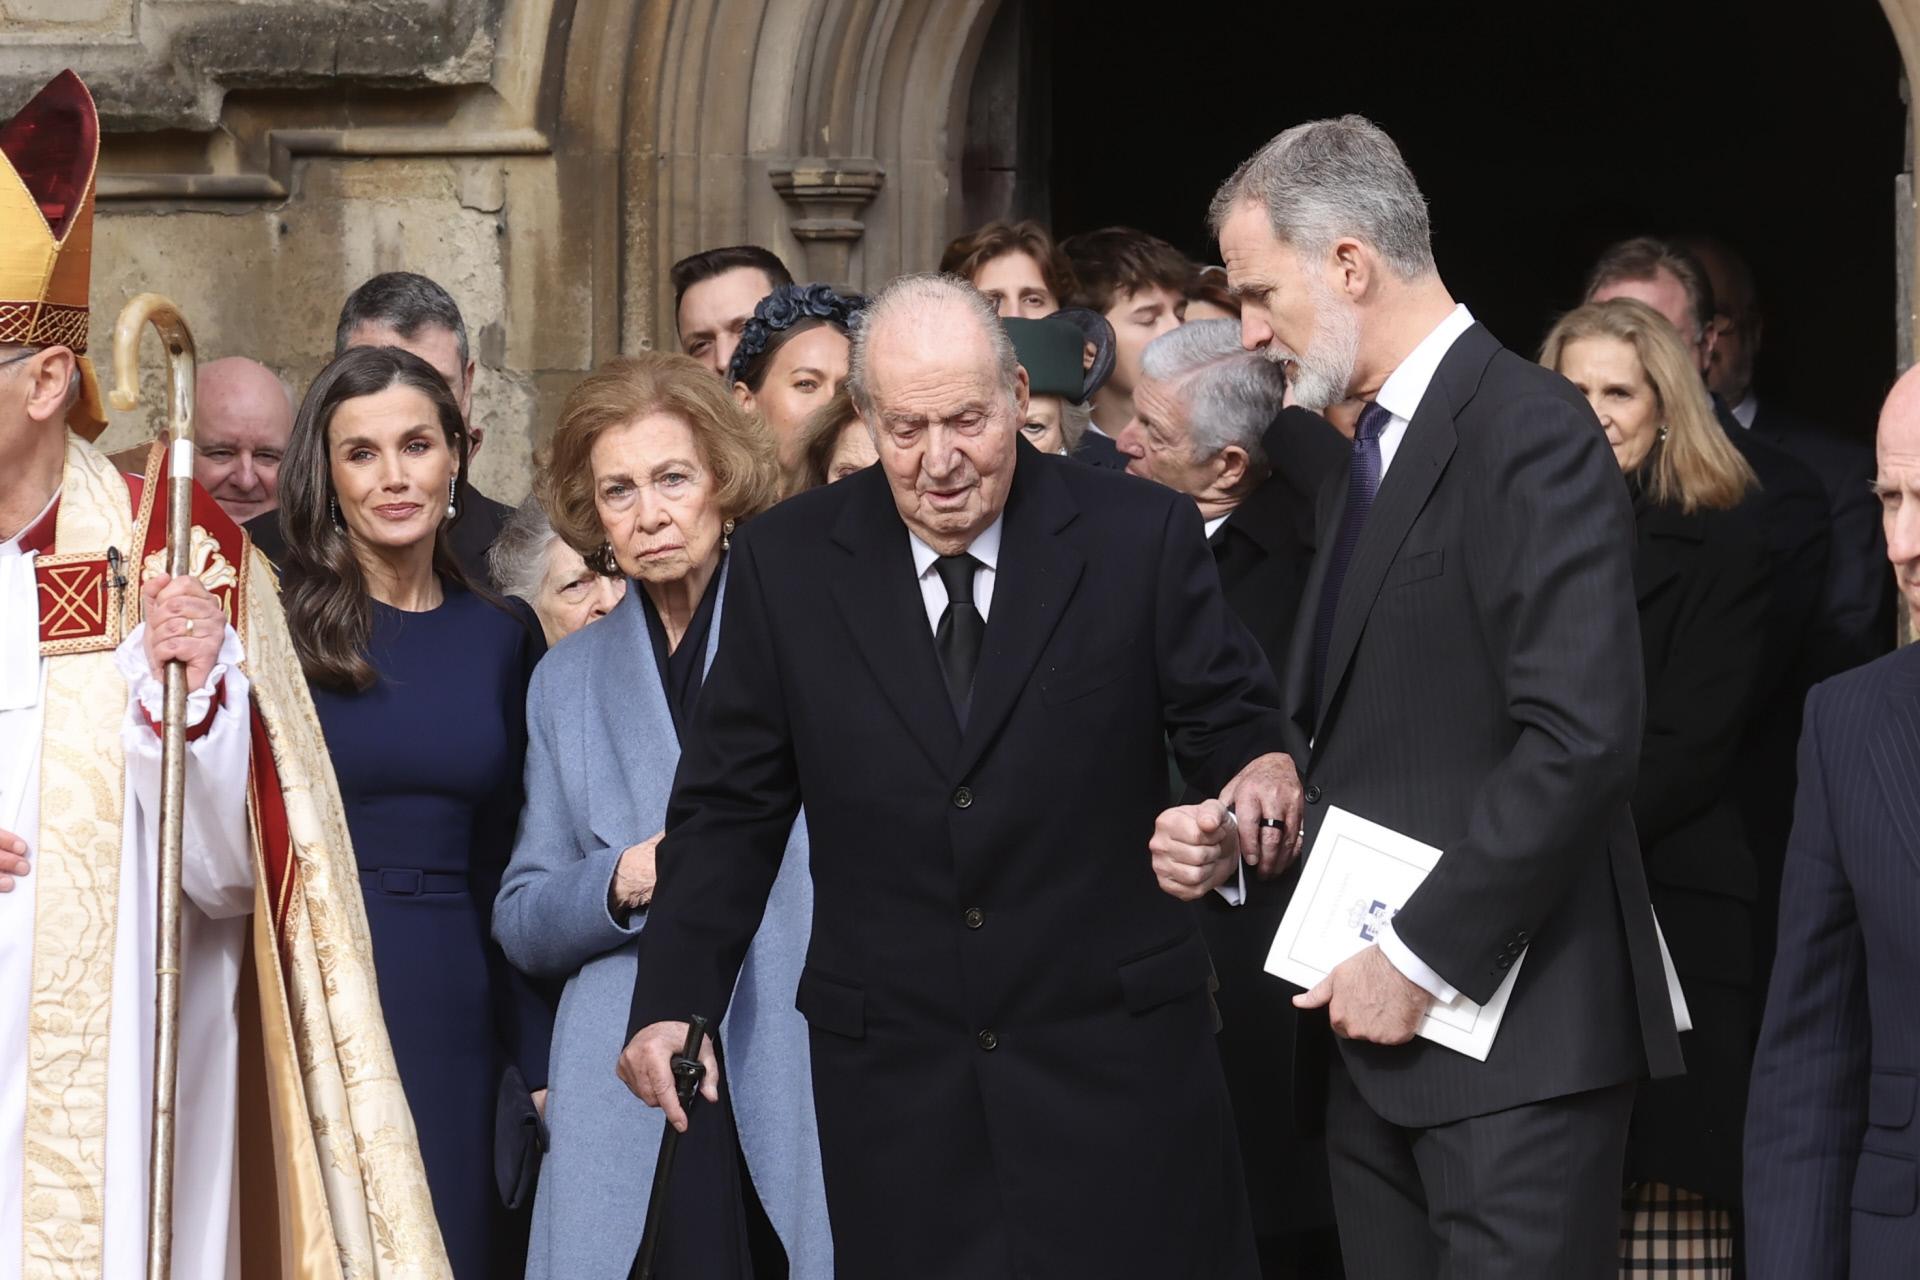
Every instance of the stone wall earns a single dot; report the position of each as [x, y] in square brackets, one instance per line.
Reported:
[267, 281]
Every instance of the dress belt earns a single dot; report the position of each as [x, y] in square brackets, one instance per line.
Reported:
[411, 882]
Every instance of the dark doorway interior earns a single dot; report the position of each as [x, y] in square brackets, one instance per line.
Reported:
[1540, 132]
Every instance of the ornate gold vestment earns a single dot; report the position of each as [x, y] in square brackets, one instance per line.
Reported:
[331, 1183]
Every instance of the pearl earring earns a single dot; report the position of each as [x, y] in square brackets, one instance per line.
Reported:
[726, 536]
[1663, 433]
[452, 510]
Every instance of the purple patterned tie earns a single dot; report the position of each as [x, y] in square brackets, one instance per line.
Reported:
[1363, 481]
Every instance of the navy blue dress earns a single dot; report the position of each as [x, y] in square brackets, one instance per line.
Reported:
[429, 762]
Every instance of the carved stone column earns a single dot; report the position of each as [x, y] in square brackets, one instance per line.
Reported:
[827, 198]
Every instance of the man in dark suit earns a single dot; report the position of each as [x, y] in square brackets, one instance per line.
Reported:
[1467, 673]
[1833, 1140]
[409, 311]
[965, 662]
[1859, 598]
[1208, 422]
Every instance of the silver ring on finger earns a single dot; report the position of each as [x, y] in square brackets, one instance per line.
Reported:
[1273, 824]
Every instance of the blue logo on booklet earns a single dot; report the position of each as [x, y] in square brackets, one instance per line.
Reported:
[1370, 917]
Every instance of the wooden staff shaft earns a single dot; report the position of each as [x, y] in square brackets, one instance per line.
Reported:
[178, 342]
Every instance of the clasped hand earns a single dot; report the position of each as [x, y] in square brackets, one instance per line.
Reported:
[646, 1067]
[1257, 816]
[184, 624]
[1366, 998]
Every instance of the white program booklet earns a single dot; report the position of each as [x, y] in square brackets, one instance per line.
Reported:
[1357, 876]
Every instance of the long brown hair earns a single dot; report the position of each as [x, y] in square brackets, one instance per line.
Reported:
[329, 609]
[1694, 465]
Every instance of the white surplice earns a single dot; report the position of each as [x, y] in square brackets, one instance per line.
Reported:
[218, 878]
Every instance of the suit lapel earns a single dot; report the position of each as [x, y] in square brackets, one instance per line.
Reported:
[1034, 580]
[1417, 465]
[1296, 689]
[1895, 748]
[635, 724]
[879, 595]
[1653, 564]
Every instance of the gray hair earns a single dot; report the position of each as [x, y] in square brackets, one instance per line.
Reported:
[405, 302]
[1232, 395]
[517, 560]
[914, 298]
[1326, 179]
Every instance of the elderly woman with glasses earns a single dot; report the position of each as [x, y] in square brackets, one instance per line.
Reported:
[651, 468]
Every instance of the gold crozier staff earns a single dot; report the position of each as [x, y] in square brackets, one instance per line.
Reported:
[166, 319]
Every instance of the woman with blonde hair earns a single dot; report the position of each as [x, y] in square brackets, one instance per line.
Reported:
[651, 469]
[1700, 574]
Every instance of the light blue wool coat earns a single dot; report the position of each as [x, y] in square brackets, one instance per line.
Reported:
[601, 755]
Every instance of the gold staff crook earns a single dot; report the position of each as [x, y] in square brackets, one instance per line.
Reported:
[166, 319]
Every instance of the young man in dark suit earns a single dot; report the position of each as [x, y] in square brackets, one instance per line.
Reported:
[1832, 1136]
[965, 662]
[1467, 673]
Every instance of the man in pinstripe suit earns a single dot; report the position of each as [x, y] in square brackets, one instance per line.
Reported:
[1832, 1140]
[1466, 671]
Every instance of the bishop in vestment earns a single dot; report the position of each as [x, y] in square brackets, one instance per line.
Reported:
[296, 1156]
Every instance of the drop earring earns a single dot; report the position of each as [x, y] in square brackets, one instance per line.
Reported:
[452, 510]
[726, 536]
[1663, 433]
[333, 509]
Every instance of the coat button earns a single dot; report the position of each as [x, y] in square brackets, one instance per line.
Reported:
[963, 798]
[1313, 794]
[1522, 937]
[988, 1041]
[975, 917]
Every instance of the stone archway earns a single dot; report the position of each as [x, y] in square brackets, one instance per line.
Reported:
[828, 130]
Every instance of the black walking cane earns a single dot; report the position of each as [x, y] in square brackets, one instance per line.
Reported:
[687, 1073]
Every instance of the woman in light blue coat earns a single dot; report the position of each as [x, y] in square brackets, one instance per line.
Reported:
[651, 465]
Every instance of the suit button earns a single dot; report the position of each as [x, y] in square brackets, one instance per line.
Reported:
[963, 798]
[988, 1041]
[975, 917]
[1506, 963]
[1522, 937]
[1313, 794]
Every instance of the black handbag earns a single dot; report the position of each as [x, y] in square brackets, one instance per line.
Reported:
[519, 1140]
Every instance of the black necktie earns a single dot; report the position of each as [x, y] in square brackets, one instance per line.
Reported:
[1363, 481]
[961, 630]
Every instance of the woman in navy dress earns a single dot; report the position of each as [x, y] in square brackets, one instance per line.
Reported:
[420, 682]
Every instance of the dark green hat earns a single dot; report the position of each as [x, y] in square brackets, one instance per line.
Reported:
[1053, 352]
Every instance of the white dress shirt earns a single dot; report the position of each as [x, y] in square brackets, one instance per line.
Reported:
[1746, 410]
[1213, 525]
[933, 592]
[1400, 395]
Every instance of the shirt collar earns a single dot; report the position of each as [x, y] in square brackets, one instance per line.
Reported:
[1404, 389]
[1748, 409]
[985, 548]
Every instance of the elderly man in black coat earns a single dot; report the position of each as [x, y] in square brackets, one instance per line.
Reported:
[965, 663]
[1208, 422]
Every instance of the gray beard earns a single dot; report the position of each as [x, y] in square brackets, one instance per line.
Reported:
[1322, 373]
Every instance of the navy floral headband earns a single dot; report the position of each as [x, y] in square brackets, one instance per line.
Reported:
[786, 307]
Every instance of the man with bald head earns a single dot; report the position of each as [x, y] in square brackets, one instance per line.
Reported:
[1831, 1141]
[242, 416]
[966, 662]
